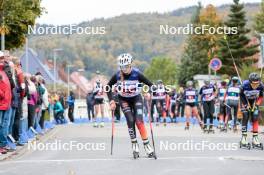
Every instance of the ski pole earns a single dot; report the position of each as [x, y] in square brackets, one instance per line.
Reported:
[112, 137]
[234, 63]
[152, 137]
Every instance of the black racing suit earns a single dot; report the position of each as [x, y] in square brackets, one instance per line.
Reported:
[208, 101]
[130, 100]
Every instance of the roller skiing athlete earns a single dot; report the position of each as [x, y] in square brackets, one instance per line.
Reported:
[207, 93]
[251, 96]
[173, 105]
[190, 97]
[159, 100]
[222, 112]
[127, 81]
[180, 106]
[99, 103]
[232, 102]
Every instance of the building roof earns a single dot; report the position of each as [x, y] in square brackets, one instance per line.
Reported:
[35, 65]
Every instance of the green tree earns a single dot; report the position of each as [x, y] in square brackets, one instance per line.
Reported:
[195, 58]
[162, 68]
[15, 17]
[239, 42]
[259, 19]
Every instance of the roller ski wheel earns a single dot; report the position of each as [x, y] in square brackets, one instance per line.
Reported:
[223, 130]
[211, 131]
[247, 146]
[201, 126]
[152, 155]
[101, 125]
[95, 125]
[205, 130]
[135, 155]
[258, 146]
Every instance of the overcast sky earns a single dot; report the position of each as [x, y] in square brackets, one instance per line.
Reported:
[75, 11]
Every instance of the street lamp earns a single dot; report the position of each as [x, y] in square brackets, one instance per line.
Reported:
[68, 71]
[54, 65]
[80, 70]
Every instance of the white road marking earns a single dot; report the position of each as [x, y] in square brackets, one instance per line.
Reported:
[131, 159]
[110, 159]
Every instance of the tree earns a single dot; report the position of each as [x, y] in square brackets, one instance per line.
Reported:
[259, 20]
[162, 68]
[210, 18]
[15, 18]
[199, 48]
[239, 42]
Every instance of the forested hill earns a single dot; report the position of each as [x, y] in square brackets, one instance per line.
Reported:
[138, 34]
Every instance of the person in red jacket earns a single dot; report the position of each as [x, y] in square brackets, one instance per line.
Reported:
[5, 103]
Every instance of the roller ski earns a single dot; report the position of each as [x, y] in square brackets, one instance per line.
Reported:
[205, 129]
[223, 129]
[135, 149]
[211, 129]
[101, 124]
[149, 151]
[244, 143]
[220, 126]
[95, 125]
[256, 143]
[229, 126]
[201, 125]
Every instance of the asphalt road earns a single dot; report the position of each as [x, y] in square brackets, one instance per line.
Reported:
[178, 151]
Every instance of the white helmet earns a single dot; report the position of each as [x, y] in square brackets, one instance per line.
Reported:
[125, 59]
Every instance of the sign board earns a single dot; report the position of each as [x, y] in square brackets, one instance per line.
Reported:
[215, 64]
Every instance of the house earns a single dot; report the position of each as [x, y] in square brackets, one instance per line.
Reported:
[35, 65]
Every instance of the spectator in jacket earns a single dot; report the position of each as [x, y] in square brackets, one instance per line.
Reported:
[32, 100]
[5, 104]
[21, 87]
[58, 111]
[90, 100]
[45, 102]
[71, 101]
[15, 99]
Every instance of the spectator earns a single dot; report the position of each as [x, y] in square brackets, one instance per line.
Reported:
[32, 100]
[62, 100]
[5, 104]
[15, 99]
[58, 111]
[45, 102]
[71, 101]
[37, 79]
[90, 100]
[17, 127]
